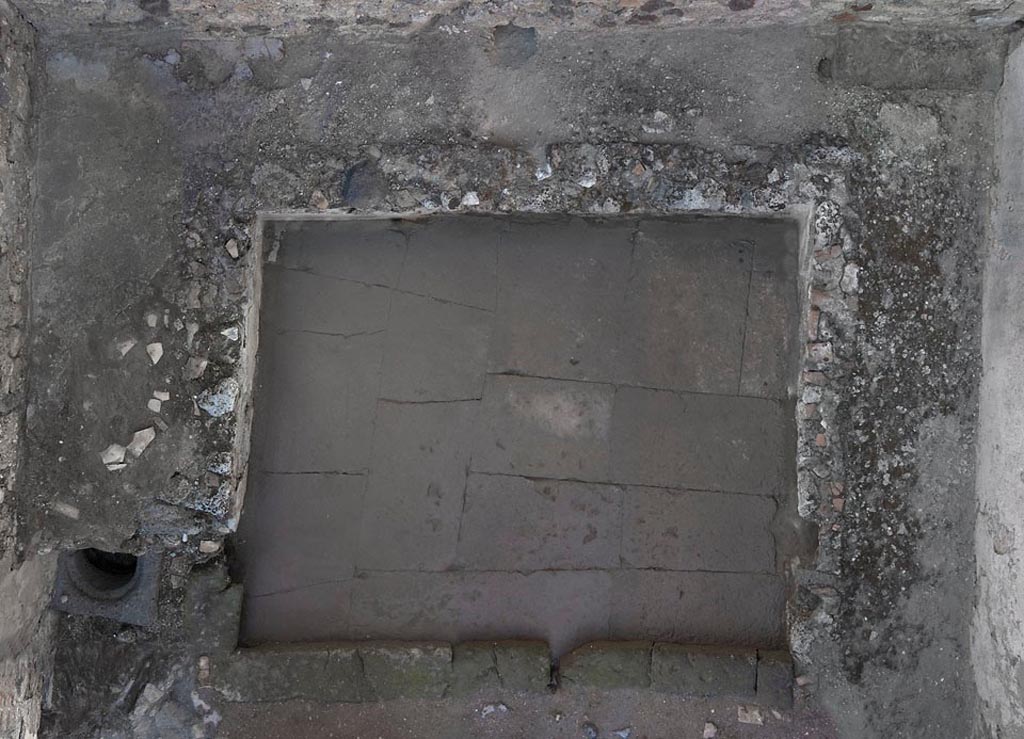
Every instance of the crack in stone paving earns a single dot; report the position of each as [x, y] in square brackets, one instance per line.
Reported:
[746, 318]
[395, 401]
[455, 570]
[347, 473]
[614, 483]
[630, 386]
[384, 286]
[306, 586]
[285, 331]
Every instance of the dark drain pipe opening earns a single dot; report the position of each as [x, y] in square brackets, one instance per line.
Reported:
[104, 575]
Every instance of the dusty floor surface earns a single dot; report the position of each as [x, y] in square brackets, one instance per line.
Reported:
[572, 714]
[564, 430]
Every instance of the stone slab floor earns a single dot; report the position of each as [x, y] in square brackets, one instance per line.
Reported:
[475, 427]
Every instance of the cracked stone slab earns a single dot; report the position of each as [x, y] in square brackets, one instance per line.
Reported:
[685, 307]
[545, 428]
[368, 251]
[512, 523]
[306, 301]
[703, 442]
[416, 484]
[692, 530]
[474, 669]
[560, 292]
[500, 665]
[434, 351]
[699, 607]
[469, 242]
[320, 612]
[316, 402]
[770, 338]
[298, 530]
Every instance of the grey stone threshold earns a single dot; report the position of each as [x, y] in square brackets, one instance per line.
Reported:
[353, 672]
[363, 671]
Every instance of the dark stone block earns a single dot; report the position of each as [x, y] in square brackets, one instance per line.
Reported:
[523, 665]
[504, 665]
[703, 671]
[775, 679]
[513, 523]
[407, 670]
[212, 618]
[295, 673]
[919, 60]
[695, 441]
[608, 664]
[714, 608]
[473, 668]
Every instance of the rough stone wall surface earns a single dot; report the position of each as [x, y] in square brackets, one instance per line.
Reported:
[454, 16]
[25, 575]
[998, 631]
[158, 153]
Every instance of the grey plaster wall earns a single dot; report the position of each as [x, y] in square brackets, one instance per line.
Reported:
[291, 16]
[998, 627]
[25, 574]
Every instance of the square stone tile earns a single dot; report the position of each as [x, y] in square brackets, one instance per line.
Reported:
[511, 523]
[776, 245]
[454, 259]
[691, 530]
[298, 530]
[301, 301]
[685, 309]
[370, 251]
[770, 341]
[434, 351]
[416, 485]
[698, 607]
[704, 442]
[544, 428]
[560, 294]
[315, 402]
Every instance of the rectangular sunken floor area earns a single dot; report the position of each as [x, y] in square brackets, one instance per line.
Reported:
[558, 428]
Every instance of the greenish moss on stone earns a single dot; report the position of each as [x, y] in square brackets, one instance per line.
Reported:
[775, 679]
[608, 664]
[293, 673]
[703, 671]
[473, 668]
[407, 670]
[524, 665]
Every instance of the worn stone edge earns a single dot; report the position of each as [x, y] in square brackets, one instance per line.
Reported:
[578, 668]
[375, 670]
[369, 671]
